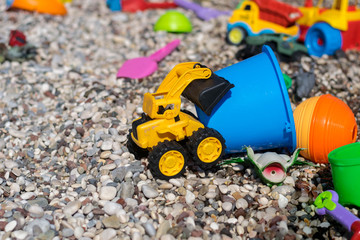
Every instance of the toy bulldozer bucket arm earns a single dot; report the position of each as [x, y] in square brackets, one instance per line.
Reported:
[195, 82]
[180, 77]
[206, 93]
[198, 84]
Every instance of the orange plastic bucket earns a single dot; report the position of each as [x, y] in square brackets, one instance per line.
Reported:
[54, 7]
[332, 125]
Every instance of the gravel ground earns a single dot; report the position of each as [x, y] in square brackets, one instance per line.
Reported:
[66, 172]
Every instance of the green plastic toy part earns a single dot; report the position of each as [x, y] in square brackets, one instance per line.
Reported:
[324, 200]
[174, 22]
[345, 169]
[270, 166]
[239, 4]
[288, 81]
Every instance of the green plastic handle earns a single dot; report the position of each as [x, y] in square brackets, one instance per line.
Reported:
[324, 201]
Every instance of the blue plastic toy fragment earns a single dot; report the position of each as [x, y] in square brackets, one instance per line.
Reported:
[114, 5]
[9, 3]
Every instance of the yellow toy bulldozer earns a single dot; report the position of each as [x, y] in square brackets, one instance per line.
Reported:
[170, 136]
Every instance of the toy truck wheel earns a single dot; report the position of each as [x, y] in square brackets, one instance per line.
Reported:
[206, 147]
[167, 160]
[322, 39]
[272, 45]
[236, 36]
[135, 149]
[296, 56]
[248, 51]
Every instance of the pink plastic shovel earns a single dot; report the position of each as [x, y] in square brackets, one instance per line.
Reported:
[144, 66]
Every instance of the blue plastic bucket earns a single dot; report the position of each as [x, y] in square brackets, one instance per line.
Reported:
[257, 111]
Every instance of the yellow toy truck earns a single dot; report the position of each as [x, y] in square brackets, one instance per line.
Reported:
[169, 136]
[327, 30]
[255, 17]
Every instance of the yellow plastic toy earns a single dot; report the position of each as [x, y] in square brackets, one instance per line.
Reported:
[255, 17]
[337, 16]
[327, 30]
[54, 7]
[163, 127]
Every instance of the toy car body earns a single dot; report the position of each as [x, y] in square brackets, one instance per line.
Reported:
[326, 30]
[284, 45]
[255, 17]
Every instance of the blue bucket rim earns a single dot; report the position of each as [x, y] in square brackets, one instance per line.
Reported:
[268, 51]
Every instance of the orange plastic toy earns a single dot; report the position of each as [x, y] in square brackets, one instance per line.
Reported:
[54, 7]
[323, 124]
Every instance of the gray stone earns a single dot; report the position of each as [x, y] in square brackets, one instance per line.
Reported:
[282, 201]
[10, 226]
[107, 193]
[71, 208]
[149, 192]
[67, 232]
[284, 190]
[107, 234]
[36, 211]
[42, 202]
[149, 228]
[241, 203]
[127, 190]
[91, 152]
[41, 224]
[107, 145]
[119, 173]
[163, 228]
[111, 208]
[17, 134]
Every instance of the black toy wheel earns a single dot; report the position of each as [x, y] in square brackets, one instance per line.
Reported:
[167, 160]
[272, 45]
[240, 55]
[248, 51]
[135, 149]
[298, 55]
[206, 147]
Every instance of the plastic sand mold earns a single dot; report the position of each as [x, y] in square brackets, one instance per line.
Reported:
[54, 7]
[270, 166]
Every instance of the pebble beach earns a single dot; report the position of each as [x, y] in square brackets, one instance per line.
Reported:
[65, 170]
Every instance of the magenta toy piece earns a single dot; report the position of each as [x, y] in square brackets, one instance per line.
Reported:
[327, 203]
[144, 66]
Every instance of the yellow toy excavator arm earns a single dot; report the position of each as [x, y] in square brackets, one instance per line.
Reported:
[173, 75]
[181, 76]
[166, 101]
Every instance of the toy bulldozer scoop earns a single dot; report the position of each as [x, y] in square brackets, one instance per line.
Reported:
[160, 132]
[206, 93]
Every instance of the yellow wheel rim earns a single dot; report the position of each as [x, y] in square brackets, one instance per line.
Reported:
[235, 36]
[171, 163]
[209, 150]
